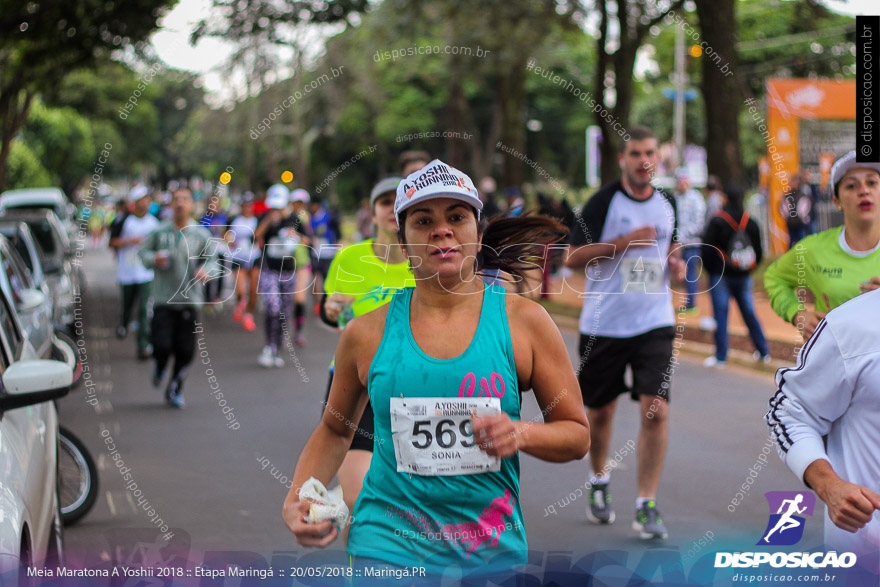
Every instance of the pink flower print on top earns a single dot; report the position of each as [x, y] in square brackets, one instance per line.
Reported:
[469, 384]
[489, 525]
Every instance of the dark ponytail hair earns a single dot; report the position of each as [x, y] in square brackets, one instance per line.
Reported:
[515, 245]
[512, 245]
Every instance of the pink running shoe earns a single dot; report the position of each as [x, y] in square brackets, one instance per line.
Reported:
[248, 323]
[239, 310]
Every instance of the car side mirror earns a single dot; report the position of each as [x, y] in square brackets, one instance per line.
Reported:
[31, 299]
[33, 382]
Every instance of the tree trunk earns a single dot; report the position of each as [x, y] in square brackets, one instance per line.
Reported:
[13, 114]
[721, 92]
[624, 62]
[484, 144]
[456, 112]
[512, 90]
[630, 36]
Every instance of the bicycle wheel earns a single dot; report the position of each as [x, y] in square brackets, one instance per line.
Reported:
[78, 476]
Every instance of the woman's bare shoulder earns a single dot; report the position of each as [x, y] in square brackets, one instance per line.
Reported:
[365, 332]
[525, 312]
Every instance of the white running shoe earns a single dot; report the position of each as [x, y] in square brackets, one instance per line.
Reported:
[766, 359]
[712, 361]
[277, 360]
[267, 357]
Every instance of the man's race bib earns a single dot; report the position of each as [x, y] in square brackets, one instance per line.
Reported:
[435, 436]
[640, 274]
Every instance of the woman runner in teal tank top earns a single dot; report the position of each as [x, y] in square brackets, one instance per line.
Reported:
[444, 365]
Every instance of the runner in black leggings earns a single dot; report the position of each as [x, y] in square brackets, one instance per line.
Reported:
[282, 235]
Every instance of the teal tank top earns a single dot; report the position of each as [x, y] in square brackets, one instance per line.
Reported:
[468, 521]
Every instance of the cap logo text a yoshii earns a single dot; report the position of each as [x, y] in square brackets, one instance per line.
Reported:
[436, 180]
[434, 174]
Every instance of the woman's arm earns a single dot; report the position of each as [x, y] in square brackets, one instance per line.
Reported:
[781, 281]
[328, 445]
[260, 232]
[754, 232]
[542, 364]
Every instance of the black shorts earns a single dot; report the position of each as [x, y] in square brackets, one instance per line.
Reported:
[363, 436]
[603, 362]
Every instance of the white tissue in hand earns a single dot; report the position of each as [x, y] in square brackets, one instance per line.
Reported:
[328, 505]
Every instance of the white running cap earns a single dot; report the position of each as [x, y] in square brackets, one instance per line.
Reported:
[137, 192]
[277, 197]
[300, 195]
[436, 180]
[847, 162]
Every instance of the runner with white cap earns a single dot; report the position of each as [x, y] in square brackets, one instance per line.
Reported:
[245, 254]
[362, 277]
[300, 199]
[280, 233]
[839, 263]
[134, 279]
[444, 365]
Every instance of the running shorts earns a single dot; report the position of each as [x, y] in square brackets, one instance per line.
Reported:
[363, 436]
[603, 362]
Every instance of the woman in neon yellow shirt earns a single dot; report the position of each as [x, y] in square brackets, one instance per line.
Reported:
[839, 263]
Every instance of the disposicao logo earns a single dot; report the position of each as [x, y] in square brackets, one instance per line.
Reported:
[785, 528]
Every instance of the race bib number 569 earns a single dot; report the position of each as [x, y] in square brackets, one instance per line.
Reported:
[435, 436]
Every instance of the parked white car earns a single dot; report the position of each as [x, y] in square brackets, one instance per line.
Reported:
[56, 255]
[23, 272]
[30, 520]
[34, 307]
[41, 198]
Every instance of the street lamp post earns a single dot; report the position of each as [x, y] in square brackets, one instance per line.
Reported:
[680, 79]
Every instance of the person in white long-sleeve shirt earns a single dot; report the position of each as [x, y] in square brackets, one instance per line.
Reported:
[834, 392]
[691, 208]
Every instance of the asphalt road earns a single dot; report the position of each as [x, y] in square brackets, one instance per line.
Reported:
[213, 485]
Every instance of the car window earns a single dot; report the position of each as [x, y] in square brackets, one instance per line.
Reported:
[22, 249]
[15, 284]
[44, 237]
[33, 207]
[58, 228]
[10, 332]
[19, 276]
[4, 361]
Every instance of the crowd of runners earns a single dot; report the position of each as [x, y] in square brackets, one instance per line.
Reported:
[438, 341]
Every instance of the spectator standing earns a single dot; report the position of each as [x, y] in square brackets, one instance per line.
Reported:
[731, 251]
[797, 210]
[691, 209]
